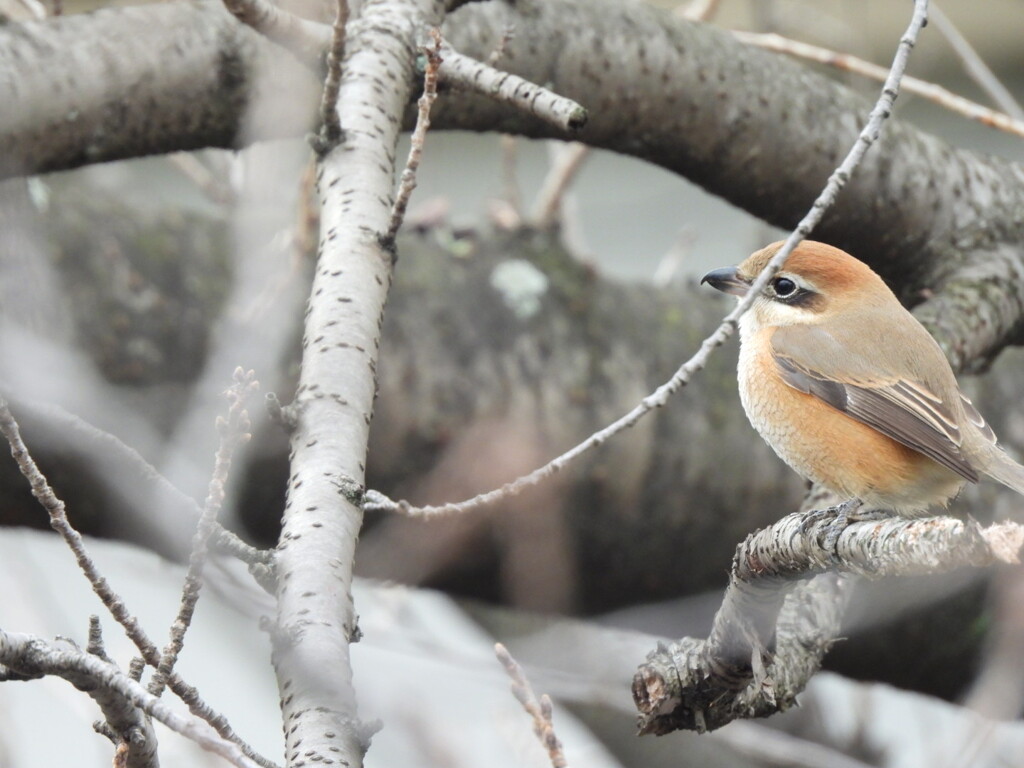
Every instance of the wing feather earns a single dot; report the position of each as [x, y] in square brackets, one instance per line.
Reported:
[905, 410]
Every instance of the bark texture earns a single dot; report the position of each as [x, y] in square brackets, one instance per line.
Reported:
[756, 128]
[783, 610]
[333, 404]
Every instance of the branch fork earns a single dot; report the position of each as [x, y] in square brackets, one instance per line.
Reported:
[782, 611]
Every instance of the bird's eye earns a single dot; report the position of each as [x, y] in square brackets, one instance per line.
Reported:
[783, 286]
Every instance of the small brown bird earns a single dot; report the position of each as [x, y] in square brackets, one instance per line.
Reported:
[851, 391]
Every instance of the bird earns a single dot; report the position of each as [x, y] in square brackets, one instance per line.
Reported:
[852, 392]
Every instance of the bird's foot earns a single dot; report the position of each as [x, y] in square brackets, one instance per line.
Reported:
[838, 519]
[839, 512]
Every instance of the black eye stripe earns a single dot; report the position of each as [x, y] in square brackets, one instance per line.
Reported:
[788, 291]
[804, 299]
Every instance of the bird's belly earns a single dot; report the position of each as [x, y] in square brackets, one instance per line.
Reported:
[849, 458]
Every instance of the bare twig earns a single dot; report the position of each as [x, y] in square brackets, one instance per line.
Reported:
[33, 8]
[976, 67]
[125, 725]
[42, 490]
[419, 136]
[698, 10]
[34, 657]
[562, 173]
[465, 72]
[502, 46]
[930, 91]
[215, 188]
[540, 710]
[306, 39]
[703, 685]
[330, 131]
[509, 177]
[234, 430]
[89, 440]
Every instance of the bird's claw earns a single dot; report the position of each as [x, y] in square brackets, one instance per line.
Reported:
[838, 518]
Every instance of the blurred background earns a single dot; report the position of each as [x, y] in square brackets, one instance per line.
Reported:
[130, 290]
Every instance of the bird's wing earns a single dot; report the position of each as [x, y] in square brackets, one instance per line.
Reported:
[909, 411]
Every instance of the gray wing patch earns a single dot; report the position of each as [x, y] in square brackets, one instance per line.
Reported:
[904, 411]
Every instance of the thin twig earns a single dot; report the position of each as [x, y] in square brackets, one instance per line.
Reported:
[499, 50]
[36, 10]
[126, 726]
[698, 10]
[213, 186]
[509, 173]
[306, 39]
[46, 496]
[540, 710]
[374, 500]
[466, 72]
[562, 173]
[89, 440]
[33, 656]
[330, 131]
[234, 430]
[910, 84]
[419, 136]
[976, 67]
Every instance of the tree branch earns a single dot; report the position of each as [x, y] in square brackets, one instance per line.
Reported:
[54, 506]
[33, 657]
[126, 725]
[316, 619]
[652, 70]
[775, 625]
[506, 88]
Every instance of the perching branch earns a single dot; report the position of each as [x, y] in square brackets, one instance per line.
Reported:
[777, 621]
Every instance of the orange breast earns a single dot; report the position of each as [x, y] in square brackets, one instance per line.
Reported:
[828, 447]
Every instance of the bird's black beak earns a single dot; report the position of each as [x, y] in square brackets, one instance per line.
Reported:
[727, 280]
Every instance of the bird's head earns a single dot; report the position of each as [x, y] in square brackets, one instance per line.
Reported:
[815, 283]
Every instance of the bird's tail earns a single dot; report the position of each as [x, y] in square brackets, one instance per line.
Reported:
[1007, 471]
